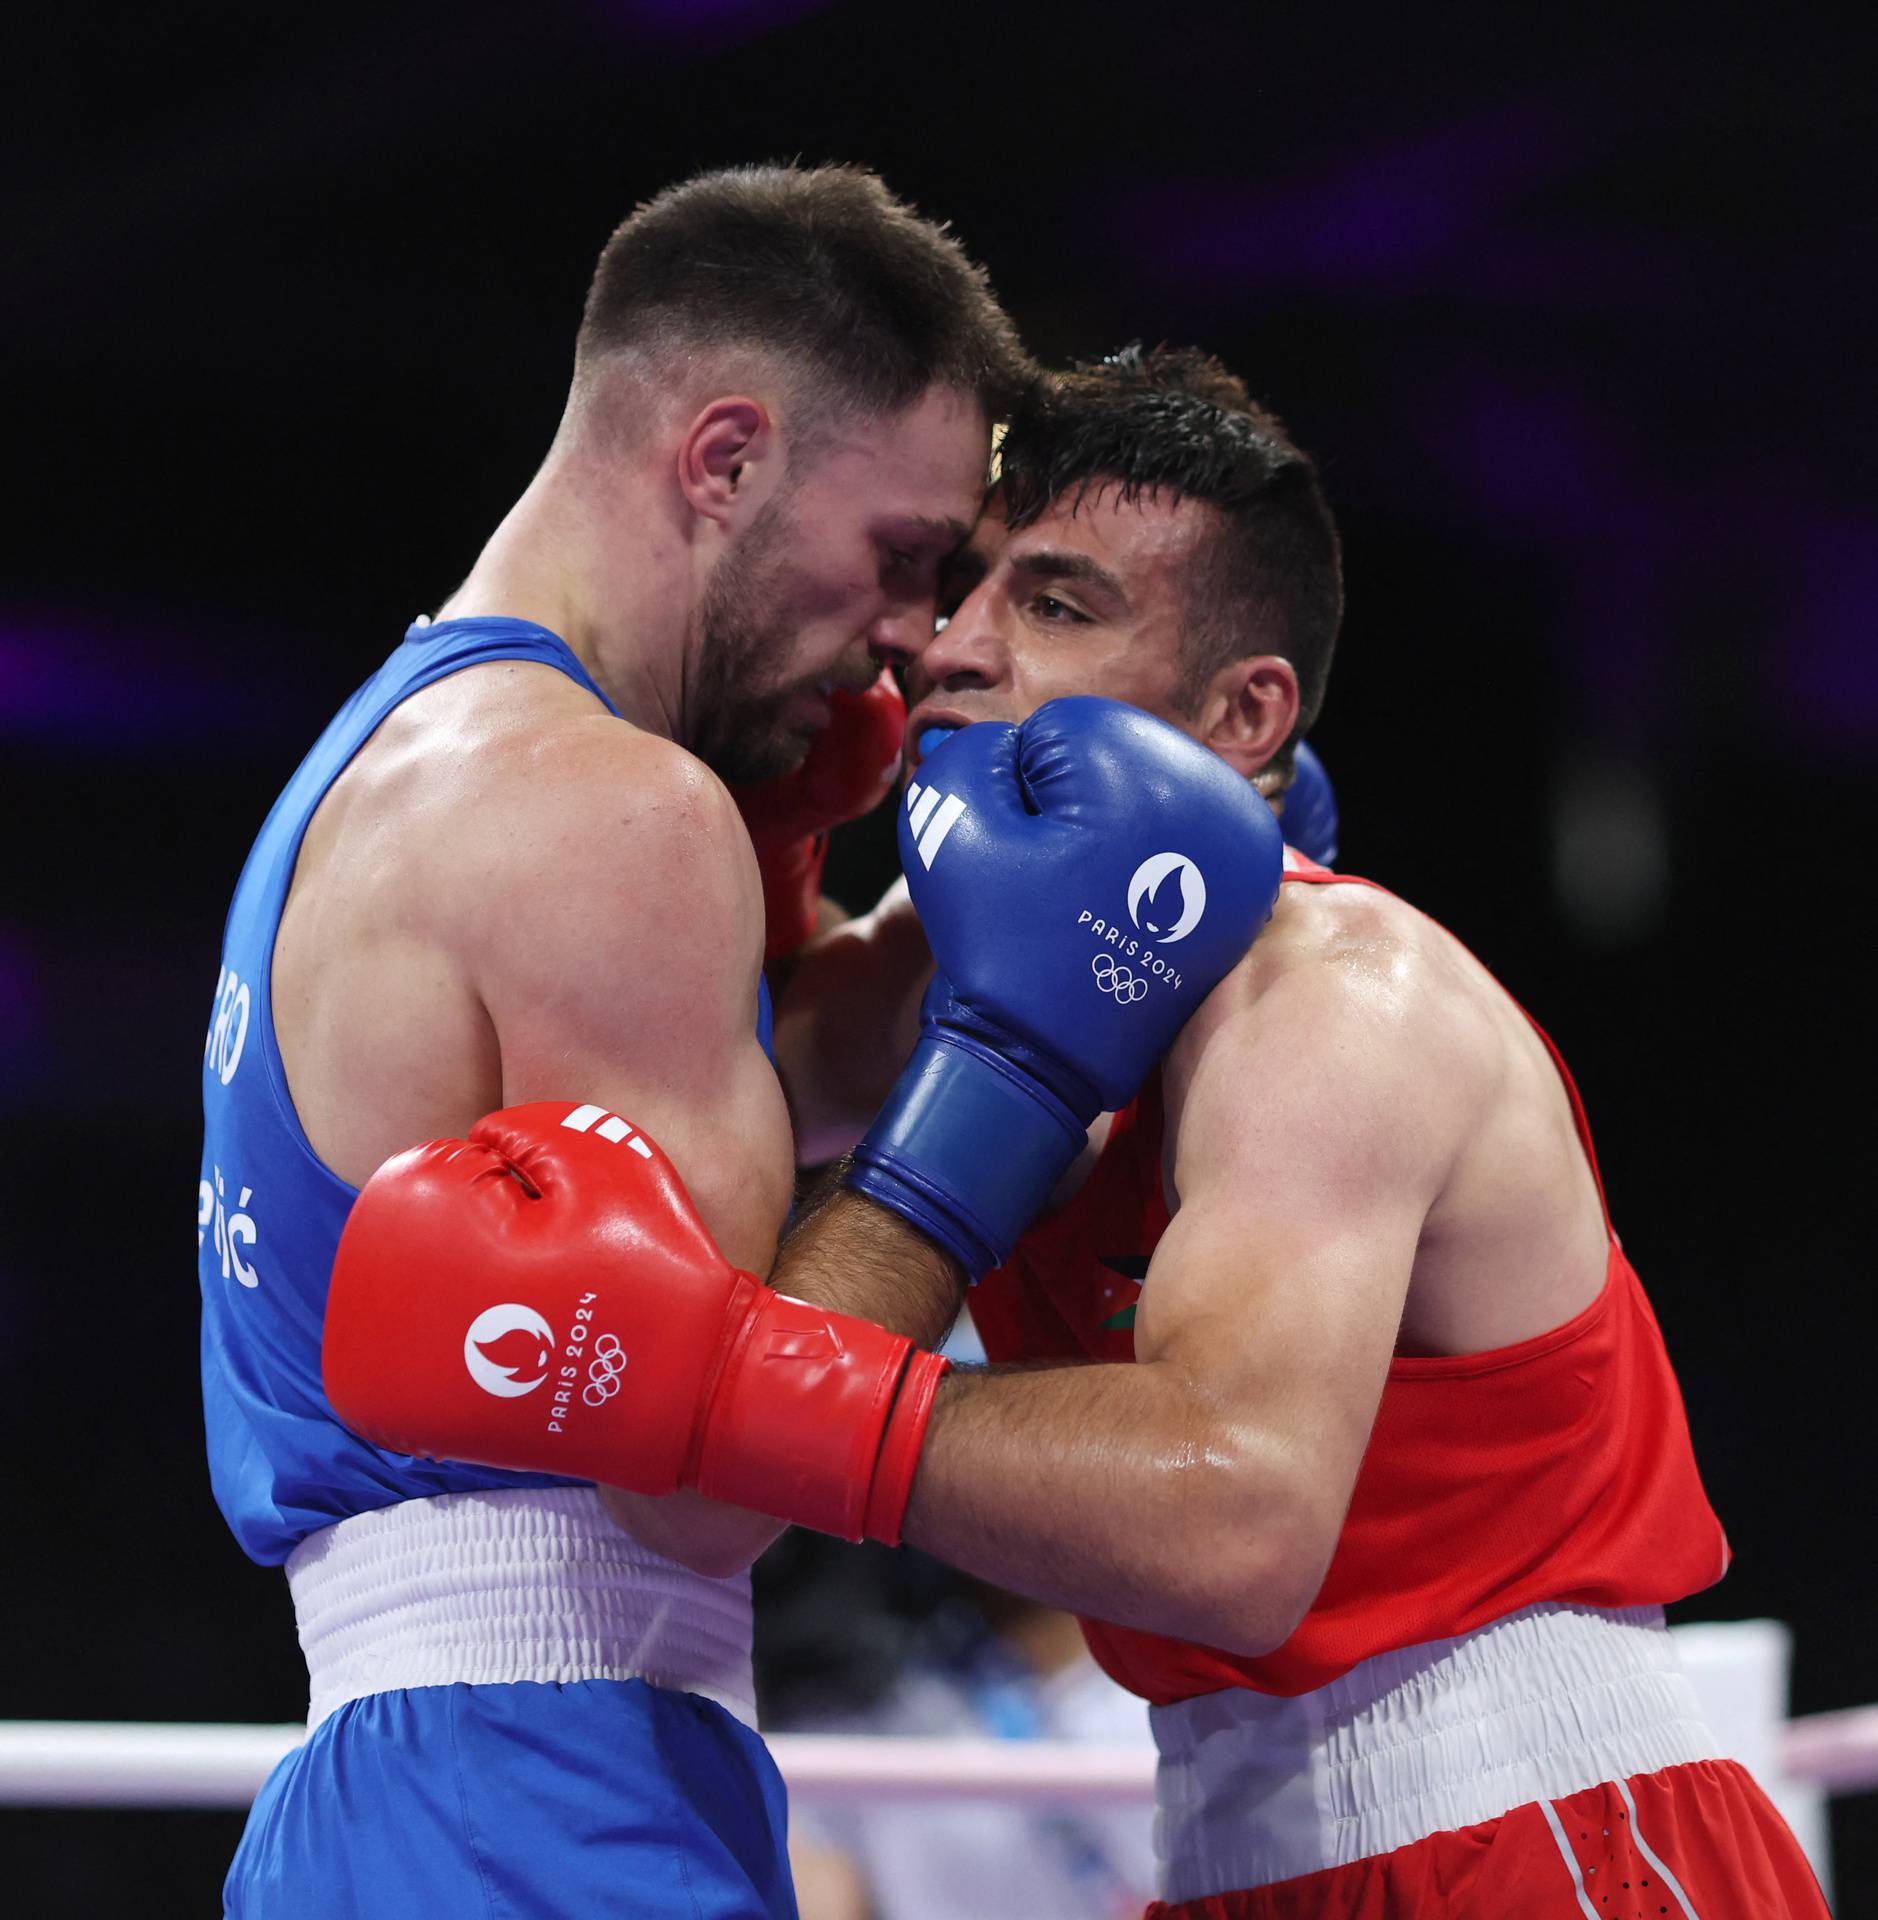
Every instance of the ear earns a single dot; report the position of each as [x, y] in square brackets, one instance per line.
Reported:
[1249, 710]
[725, 459]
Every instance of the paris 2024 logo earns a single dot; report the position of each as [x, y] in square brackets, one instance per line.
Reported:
[1166, 897]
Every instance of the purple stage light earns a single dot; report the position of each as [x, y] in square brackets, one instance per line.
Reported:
[1539, 460]
[1381, 222]
[76, 679]
[1824, 665]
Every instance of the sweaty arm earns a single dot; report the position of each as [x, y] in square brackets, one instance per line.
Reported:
[618, 961]
[617, 956]
[1200, 1492]
[628, 979]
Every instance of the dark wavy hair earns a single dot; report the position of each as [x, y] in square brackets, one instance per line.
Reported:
[1171, 423]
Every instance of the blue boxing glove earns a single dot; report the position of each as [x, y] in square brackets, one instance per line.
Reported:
[1085, 881]
[1310, 816]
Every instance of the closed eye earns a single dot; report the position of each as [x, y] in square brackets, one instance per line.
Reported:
[1058, 612]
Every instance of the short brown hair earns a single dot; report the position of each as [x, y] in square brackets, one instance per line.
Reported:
[1172, 422]
[870, 303]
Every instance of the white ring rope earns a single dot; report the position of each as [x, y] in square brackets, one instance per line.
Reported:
[107, 1763]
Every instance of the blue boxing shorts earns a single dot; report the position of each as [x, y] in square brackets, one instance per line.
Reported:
[517, 1713]
[531, 1801]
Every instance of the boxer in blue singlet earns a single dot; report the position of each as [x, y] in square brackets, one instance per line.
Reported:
[507, 870]
[284, 1473]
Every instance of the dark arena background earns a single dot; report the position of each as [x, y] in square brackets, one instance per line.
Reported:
[1573, 306]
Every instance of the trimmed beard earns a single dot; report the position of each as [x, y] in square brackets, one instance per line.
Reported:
[747, 625]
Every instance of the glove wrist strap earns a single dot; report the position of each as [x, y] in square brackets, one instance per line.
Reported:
[900, 1450]
[968, 1148]
[794, 1425]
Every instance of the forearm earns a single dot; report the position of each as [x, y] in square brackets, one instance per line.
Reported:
[844, 1252]
[1117, 1492]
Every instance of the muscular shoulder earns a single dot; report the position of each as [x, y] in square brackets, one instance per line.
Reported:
[530, 819]
[596, 804]
[570, 871]
[1354, 1016]
[1345, 959]
[510, 776]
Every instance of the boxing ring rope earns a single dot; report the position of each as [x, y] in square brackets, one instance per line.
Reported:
[103, 1763]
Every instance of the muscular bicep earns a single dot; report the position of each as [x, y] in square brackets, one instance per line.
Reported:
[1306, 1149]
[624, 972]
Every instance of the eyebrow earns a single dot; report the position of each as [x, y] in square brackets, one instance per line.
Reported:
[942, 528]
[1059, 563]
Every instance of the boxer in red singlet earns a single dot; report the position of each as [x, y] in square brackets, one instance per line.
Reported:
[1354, 1443]
[1385, 1525]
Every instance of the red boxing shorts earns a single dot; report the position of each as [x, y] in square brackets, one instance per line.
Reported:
[1698, 1842]
[1554, 1763]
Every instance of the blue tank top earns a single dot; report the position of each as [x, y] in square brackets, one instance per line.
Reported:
[269, 1211]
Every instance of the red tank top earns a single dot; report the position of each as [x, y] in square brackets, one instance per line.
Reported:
[1559, 1469]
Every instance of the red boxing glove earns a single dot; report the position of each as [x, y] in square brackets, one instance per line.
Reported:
[848, 772]
[544, 1297]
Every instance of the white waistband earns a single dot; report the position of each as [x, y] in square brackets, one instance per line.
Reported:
[510, 1584]
[1254, 1788]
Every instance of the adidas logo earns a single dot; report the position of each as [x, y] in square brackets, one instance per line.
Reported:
[931, 815]
[610, 1127]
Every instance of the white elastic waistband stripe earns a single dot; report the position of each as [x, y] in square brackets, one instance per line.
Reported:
[1254, 1789]
[506, 1585]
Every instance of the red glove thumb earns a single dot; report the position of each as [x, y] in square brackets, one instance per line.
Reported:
[849, 770]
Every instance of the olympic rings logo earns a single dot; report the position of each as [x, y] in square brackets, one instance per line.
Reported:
[1123, 982]
[609, 1362]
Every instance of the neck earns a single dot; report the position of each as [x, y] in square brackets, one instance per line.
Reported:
[595, 554]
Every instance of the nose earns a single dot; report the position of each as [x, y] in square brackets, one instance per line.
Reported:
[969, 650]
[897, 637]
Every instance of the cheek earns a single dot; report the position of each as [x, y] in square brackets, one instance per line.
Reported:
[1140, 673]
[844, 585]
[1050, 679]
[832, 596]
[1051, 672]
